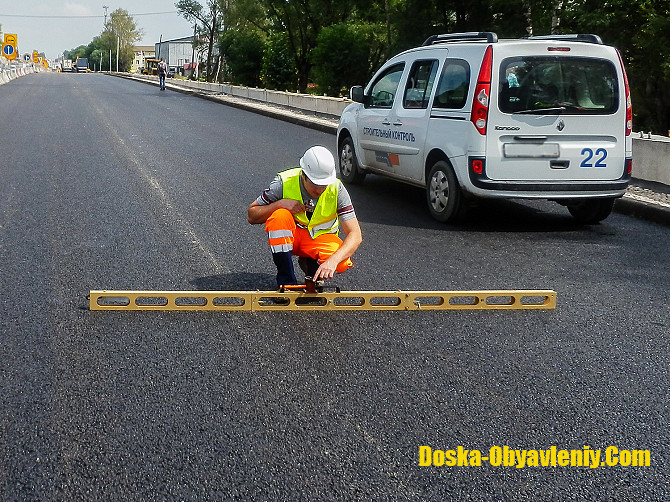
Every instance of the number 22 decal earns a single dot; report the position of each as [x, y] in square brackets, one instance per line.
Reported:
[600, 155]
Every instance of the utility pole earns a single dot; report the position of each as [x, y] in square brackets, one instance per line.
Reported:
[105, 7]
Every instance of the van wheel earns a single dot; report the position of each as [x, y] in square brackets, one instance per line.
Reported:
[444, 197]
[590, 211]
[349, 168]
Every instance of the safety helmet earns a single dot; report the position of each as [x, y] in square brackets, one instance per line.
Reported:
[318, 165]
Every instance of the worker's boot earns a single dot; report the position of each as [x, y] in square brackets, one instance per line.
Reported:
[308, 265]
[285, 272]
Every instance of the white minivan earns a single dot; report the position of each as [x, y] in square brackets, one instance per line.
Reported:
[467, 115]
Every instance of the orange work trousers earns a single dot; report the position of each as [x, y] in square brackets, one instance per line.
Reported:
[284, 235]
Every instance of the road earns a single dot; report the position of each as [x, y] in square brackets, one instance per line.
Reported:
[111, 184]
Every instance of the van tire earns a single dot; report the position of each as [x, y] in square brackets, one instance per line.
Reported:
[443, 194]
[589, 211]
[350, 170]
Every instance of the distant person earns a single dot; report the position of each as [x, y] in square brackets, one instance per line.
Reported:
[162, 72]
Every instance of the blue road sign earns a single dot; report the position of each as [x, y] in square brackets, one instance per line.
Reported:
[27, 58]
[8, 50]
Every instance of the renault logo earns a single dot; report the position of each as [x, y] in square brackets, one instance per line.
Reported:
[561, 125]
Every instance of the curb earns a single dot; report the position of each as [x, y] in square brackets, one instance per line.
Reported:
[327, 125]
[643, 210]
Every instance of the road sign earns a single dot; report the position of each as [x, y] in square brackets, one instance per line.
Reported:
[27, 57]
[10, 39]
[9, 51]
[36, 57]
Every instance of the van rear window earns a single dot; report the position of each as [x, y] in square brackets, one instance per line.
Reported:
[568, 85]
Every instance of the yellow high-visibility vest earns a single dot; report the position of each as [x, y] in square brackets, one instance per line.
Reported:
[324, 218]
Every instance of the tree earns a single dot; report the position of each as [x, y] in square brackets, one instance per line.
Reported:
[209, 21]
[243, 52]
[120, 29]
[278, 70]
[346, 54]
[301, 21]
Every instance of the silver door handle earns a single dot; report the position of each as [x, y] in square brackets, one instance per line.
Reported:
[397, 123]
[386, 122]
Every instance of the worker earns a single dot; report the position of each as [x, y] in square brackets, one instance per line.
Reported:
[302, 210]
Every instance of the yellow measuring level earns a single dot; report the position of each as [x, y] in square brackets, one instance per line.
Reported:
[253, 301]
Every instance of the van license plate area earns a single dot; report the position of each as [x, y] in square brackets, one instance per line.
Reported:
[531, 150]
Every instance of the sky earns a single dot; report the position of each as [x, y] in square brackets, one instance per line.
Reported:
[69, 24]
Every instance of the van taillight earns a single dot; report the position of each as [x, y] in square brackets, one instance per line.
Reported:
[629, 166]
[480, 106]
[477, 166]
[629, 103]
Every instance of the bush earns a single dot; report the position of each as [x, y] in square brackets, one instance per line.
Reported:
[278, 69]
[243, 52]
[346, 54]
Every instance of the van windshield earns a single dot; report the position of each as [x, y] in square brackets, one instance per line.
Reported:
[569, 85]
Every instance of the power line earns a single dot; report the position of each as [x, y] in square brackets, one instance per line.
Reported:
[84, 17]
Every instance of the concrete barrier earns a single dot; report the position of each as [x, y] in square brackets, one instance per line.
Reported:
[651, 158]
[13, 72]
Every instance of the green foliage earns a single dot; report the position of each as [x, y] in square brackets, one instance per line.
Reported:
[243, 52]
[339, 43]
[278, 70]
[346, 53]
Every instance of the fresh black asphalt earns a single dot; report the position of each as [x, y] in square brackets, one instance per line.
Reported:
[111, 184]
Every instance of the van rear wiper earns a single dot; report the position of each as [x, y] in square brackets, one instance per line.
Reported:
[552, 109]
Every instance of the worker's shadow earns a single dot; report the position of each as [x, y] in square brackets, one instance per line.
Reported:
[235, 281]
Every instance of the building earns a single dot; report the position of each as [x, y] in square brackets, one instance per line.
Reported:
[141, 53]
[177, 53]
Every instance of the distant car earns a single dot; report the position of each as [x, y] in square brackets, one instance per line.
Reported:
[171, 72]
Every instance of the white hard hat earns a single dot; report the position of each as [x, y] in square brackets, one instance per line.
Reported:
[318, 165]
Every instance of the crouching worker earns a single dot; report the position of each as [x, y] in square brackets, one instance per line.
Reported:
[302, 210]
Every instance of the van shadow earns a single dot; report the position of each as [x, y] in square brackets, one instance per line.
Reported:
[387, 202]
[235, 281]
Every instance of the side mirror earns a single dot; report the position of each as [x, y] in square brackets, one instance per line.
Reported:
[356, 94]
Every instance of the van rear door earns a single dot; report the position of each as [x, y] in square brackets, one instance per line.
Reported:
[558, 113]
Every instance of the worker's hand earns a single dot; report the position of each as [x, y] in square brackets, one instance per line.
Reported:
[326, 270]
[292, 205]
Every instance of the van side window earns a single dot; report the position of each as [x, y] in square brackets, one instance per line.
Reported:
[385, 88]
[452, 89]
[420, 84]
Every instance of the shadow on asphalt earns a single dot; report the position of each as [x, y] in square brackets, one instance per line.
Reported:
[236, 281]
[386, 202]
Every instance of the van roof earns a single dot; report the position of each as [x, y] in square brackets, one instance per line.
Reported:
[490, 37]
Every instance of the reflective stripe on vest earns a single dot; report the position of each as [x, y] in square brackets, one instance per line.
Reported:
[324, 218]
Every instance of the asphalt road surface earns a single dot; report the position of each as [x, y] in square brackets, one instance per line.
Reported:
[111, 184]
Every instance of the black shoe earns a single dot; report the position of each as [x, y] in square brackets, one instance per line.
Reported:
[308, 265]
